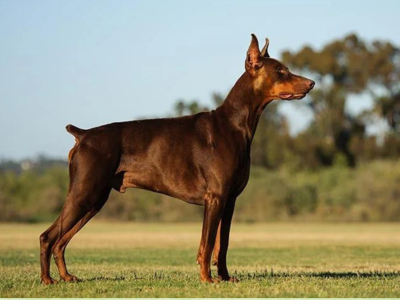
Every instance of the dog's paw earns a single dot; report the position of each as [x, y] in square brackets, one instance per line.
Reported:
[228, 278]
[48, 280]
[70, 278]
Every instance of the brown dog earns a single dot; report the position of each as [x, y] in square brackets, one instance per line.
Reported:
[203, 159]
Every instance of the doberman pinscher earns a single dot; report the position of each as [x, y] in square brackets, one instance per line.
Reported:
[203, 159]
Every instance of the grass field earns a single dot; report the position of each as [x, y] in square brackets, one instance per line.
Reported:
[158, 260]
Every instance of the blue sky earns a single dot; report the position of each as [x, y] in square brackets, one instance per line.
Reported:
[94, 62]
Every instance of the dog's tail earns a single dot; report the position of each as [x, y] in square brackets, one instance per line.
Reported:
[75, 131]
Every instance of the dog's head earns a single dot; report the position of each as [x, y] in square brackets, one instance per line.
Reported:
[271, 77]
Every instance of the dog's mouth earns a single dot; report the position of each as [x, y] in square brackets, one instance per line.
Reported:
[290, 96]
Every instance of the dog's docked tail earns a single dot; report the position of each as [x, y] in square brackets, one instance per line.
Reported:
[78, 134]
[75, 131]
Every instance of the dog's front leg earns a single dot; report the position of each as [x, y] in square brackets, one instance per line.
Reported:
[214, 206]
[222, 242]
[217, 245]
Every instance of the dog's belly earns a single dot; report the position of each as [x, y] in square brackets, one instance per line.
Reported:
[175, 183]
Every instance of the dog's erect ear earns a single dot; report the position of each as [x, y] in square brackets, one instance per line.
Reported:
[264, 51]
[253, 61]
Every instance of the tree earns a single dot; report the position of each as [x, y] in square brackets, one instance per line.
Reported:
[272, 139]
[344, 67]
[384, 67]
[183, 107]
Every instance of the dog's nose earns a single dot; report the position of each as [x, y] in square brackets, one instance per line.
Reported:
[311, 84]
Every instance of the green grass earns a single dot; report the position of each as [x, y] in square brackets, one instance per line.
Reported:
[158, 260]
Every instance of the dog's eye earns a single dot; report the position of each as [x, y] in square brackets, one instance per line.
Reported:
[281, 71]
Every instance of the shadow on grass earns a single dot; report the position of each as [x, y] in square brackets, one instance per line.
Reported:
[103, 278]
[134, 276]
[268, 275]
[344, 275]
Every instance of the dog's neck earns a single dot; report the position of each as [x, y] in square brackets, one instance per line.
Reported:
[243, 106]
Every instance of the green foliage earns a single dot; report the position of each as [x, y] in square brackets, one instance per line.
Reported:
[32, 196]
[140, 205]
[367, 193]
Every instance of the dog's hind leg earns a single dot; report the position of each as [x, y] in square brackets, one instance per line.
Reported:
[68, 218]
[90, 184]
[61, 244]
[45, 238]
